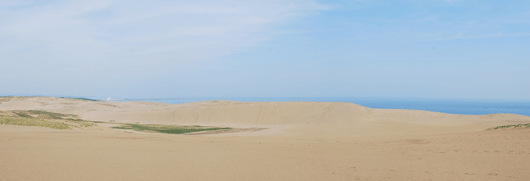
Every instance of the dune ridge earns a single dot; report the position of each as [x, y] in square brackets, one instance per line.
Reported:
[317, 118]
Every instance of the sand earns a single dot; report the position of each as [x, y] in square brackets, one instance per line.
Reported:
[302, 141]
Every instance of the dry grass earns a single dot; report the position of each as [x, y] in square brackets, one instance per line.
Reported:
[12, 98]
[53, 120]
[45, 119]
[5, 99]
[24, 121]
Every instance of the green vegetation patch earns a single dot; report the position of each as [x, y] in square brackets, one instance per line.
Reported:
[53, 120]
[511, 126]
[48, 115]
[42, 114]
[43, 118]
[22, 121]
[167, 129]
[22, 114]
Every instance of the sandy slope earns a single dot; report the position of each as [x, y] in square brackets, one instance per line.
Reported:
[326, 119]
[304, 141]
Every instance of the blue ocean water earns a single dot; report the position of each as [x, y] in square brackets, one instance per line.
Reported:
[452, 106]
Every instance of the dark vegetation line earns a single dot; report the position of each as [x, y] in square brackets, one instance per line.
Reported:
[167, 129]
[81, 98]
[511, 126]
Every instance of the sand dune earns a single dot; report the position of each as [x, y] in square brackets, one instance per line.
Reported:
[304, 141]
[316, 118]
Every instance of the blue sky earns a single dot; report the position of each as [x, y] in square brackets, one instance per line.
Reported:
[460, 49]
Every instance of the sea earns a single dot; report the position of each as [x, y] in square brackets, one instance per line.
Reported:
[452, 106]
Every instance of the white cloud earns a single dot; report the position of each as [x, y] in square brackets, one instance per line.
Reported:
[127, 31]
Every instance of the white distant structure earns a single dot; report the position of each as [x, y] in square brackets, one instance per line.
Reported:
[108, 99]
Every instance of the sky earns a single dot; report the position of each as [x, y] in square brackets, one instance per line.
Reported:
[443, 49]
